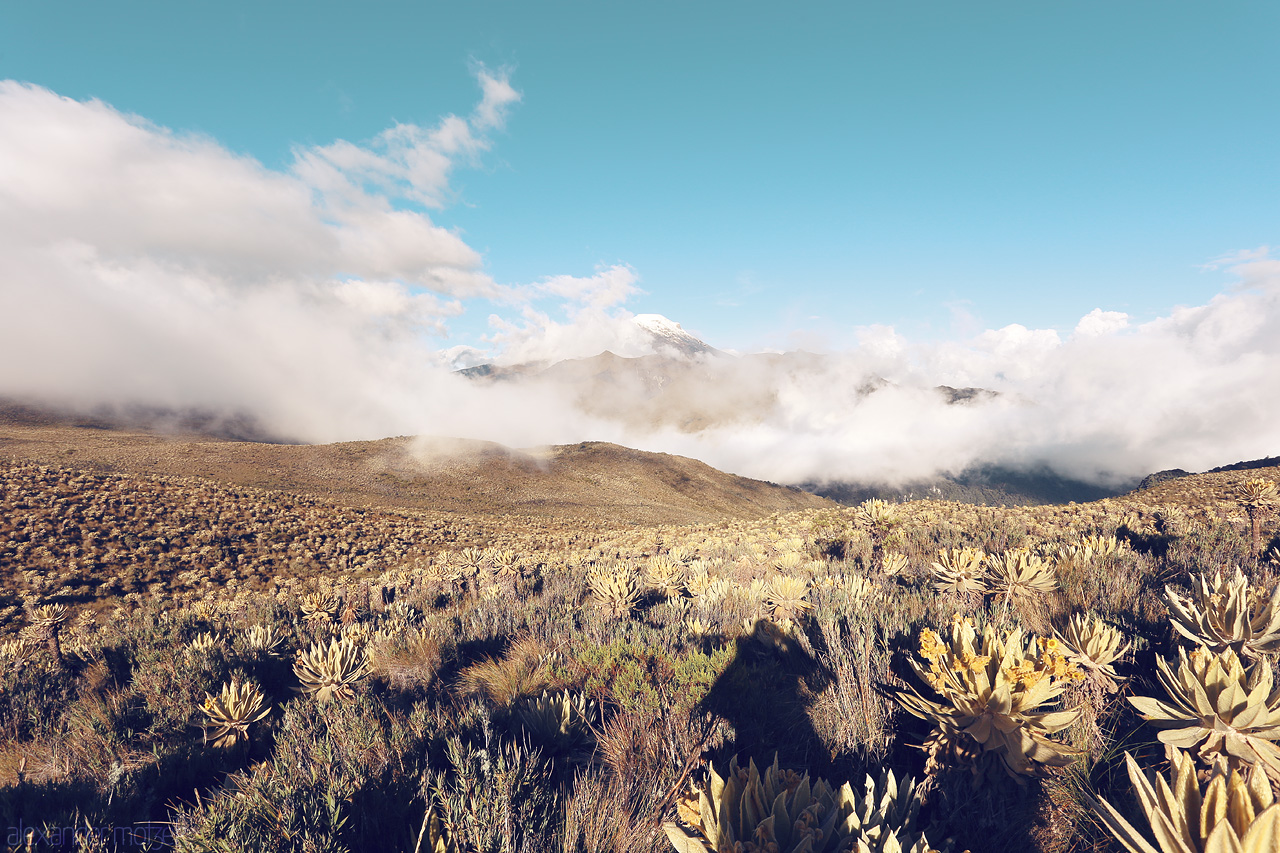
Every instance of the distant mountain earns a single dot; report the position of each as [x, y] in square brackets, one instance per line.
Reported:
[1152, 480]
[966, 395]
[669, 348]
[993, 484]
[1161, 477]
[987, 485]
[1211, 494]
[497, 372]
[191, 420]
[685, 384]
[667, 334]
[1268, 462]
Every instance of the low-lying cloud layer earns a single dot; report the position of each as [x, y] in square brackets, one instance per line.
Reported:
[1195, 389]
[143, 266]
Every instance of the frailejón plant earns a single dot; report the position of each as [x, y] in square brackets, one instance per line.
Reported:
[614, 590]
[787, 597]
[1217, 707]
[959, 571]
[1019, 574]
[1094, 646]
[1227, 613]
[239, 705]
[1229, 813]
[781, 811]
[991, 691]
[329, 671]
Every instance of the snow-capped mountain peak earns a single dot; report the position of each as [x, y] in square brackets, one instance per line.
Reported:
[668, 334]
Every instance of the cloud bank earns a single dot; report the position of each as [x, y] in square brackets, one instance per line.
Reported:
[1110, 402]
[143, 266]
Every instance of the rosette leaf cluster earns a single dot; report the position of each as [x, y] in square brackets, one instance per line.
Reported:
[894, 564]
[1227, 613]
[876, 513]
[782, 811]
[318, 607]
[1094, 646]
[1086, 549]
[266, 639]
[1229, 813]
[1217, 707]
[959, 571]
[1257, 495]
[787, 597]
[665, 575]
[613, 590]
[331, 671]
[238, 705]
[1020, 574]
[561, 720]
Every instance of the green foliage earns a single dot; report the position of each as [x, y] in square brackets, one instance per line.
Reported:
[644, 680]
[343, 777]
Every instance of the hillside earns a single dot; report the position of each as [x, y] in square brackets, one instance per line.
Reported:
[1203, 494]
[594, 482]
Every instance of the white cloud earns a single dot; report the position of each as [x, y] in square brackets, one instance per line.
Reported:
[592, 319]
[1194, 389]
[1099, 322]
[588, 331]
[84, 173]
[408, 161]
[607, 288]
[142, 265]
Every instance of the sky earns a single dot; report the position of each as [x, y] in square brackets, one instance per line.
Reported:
[944, 192]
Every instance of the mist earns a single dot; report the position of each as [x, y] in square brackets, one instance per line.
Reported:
[143, 267]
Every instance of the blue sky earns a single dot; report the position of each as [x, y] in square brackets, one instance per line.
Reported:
[774, 175]
[313, 213]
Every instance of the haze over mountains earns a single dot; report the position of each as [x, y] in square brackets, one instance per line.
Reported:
[669, 390]
[152, 273]
[1063, 420]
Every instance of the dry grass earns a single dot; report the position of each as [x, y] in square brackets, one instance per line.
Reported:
[458, 630]
[523, 670]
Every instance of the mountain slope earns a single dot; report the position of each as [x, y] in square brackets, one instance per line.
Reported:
[591, 481]
[984, 485]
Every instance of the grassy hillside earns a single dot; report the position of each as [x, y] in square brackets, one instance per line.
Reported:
[593, 482]
[258, 669]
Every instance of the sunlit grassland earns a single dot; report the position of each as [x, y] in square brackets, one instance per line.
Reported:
[269, 671]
